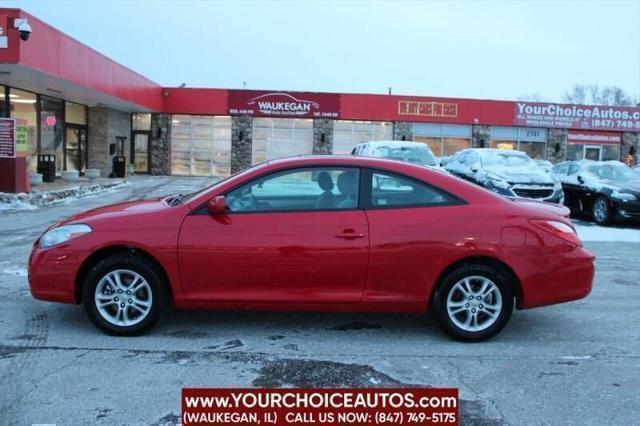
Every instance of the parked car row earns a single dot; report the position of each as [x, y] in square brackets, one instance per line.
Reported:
[607, 191]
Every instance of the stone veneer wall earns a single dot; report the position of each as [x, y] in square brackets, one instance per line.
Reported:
[241, 142]
[480, 133]
[629, 140]
[322, 136]
[557, 137]
[402, 129]
[104, 125]
[160, 145]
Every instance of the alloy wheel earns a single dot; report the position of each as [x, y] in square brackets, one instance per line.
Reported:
[600, 210]
[123, 297]
[474, 303]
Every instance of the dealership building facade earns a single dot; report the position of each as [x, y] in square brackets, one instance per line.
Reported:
[72, 102]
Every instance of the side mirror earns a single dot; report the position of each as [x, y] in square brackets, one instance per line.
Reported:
[474, 169]
[217, 205]
[580, 179]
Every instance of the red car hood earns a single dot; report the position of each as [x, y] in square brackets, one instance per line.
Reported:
[543, 207]
[129, 208]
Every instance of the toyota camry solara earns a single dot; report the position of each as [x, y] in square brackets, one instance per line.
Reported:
[325, 233]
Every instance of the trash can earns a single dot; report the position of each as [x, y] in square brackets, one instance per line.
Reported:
[119, 166]
[47, 167]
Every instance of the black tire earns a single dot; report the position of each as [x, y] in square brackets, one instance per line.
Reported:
[439, 303]
[159, 293]
[601, 210]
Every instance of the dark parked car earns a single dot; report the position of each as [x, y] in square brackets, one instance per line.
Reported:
[606, 190]
[508, 173]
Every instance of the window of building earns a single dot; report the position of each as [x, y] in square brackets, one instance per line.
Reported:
[75, 113]
[532, 141]
[347, 134]
[392, 190]
[200, 145]
[443, 139]
[316, 188]
[141, 121]
[281, 137]
[24, 109]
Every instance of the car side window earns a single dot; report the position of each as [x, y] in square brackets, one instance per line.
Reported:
[561, 169]
[393, 190]
[573, 169]
[302, 189]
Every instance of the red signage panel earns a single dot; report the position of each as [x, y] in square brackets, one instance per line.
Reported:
[425, 109]
[7, 137]
[284, 104]
[564, 116]
[590, 137]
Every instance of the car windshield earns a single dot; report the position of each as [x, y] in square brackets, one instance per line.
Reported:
[410, 154]
[505, 159]
[612, 172]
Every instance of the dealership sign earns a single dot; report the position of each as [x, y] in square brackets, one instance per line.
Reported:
[587, 137]
[577, 116]
[282, 104]
[7, 137]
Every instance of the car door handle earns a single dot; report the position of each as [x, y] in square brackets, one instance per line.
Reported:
[349, 234]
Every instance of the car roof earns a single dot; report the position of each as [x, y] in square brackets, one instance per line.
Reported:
[392, 143]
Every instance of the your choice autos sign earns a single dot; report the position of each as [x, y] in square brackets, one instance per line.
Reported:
[596, 117]
[283, 104]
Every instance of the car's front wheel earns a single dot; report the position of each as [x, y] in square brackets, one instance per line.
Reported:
[474, 302]
[124, 295]
[601, 210]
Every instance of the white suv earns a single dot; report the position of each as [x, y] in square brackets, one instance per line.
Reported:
[409, 152]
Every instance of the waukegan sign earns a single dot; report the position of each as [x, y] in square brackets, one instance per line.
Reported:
[282, 104]
[625, 119]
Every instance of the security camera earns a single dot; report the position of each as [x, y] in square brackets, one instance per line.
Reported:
[22, 25]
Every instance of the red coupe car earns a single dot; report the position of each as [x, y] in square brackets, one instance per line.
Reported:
[326, 233]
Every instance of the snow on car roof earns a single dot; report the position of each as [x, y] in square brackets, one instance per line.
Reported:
[394, 144]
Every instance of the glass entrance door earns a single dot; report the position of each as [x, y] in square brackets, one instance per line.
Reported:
[75, 150]
[593, 152]
[140, 154]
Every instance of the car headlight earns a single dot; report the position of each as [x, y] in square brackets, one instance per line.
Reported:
[623, 196]
[63, 234]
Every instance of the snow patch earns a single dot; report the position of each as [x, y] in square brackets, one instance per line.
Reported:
[603, 233]
[16, 271]
[17, 205]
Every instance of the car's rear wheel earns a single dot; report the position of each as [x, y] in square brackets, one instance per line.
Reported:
[474, 302]
[601, 210]
[124, 295]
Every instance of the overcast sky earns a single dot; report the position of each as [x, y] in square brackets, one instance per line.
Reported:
[497, 50]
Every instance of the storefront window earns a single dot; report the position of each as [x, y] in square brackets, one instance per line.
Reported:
[75, 113]
[610, 152]
[595, 152]
[23, 109]
[51, 129]
[200, 145]
[443, 139]
[280, 137]
[532, 141]
[348, 134]
[141, 121]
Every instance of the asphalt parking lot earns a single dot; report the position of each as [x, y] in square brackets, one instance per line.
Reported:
[577, 363]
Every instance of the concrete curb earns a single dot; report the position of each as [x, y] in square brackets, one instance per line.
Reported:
[28, 201]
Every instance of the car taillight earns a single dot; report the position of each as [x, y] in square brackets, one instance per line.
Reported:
[558, 229]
